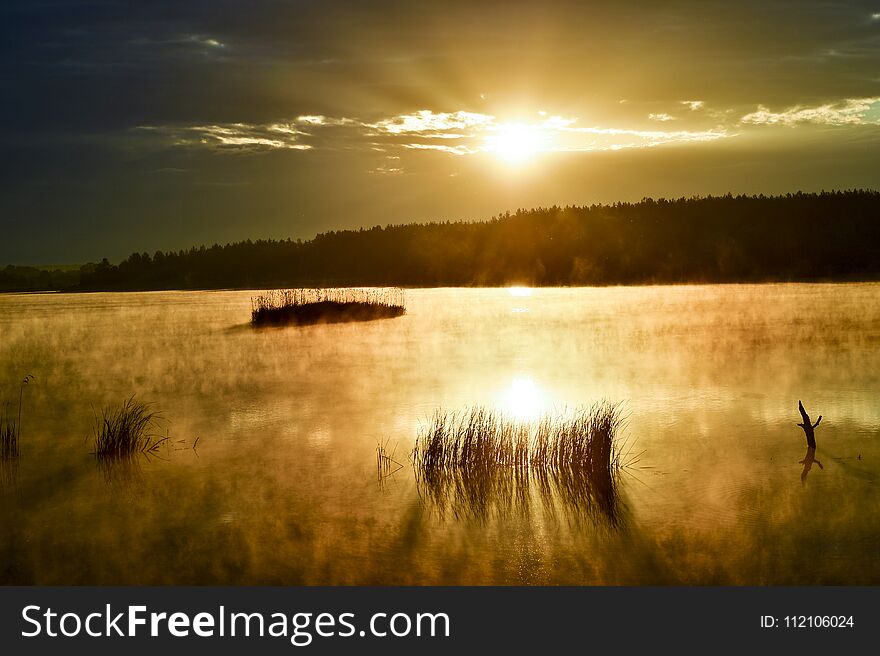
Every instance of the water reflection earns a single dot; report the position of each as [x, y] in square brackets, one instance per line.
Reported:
[516, 491]
[127, 470]
[122, 472]
[8, 474]
[807, 462]
[386, 464]
[568, 493]
[523, 400]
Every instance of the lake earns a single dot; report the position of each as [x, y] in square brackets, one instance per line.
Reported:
[282, 486]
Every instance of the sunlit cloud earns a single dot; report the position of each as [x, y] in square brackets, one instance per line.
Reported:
[454, 133]
[198, 40]
[312, 120]
[519, 140]
[391, 166]
[232, 136]
[325, 121]
[618, 139]
[452, 150]
[852, 111]
[426, 121]
[693, 105]
[205, 41]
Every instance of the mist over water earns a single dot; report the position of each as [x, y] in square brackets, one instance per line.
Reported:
[282, 488]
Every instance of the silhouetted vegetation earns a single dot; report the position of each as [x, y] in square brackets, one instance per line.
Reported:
[35, 279]
[480, 460]
[9, 447]
[123, 431]
[825, 236]
[10, 430]
[309, 306]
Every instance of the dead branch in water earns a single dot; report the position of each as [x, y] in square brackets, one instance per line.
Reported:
[808, 426]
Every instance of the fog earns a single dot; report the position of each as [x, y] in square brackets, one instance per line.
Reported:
[282, 486]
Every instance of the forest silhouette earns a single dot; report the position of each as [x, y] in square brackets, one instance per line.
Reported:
[801, 236]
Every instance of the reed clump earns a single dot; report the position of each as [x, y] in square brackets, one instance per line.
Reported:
[309, 306]
[10, 430]
[479, 459]
[9, 447]
[124, 431]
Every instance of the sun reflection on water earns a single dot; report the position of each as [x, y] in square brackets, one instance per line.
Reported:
[523, 399]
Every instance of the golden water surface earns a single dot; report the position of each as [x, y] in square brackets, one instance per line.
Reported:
[282, 486]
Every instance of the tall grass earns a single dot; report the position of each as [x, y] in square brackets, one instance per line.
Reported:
[10, 431]
[480, 459]
[9, 447]
[123, 431]
[304, 306]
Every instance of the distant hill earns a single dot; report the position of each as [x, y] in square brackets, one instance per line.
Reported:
[824, 236]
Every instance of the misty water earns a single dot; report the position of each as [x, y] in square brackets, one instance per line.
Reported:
[282, 487]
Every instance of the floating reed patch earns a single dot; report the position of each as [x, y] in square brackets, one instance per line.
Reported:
[123, 431]
[479, 460]
[310, 306]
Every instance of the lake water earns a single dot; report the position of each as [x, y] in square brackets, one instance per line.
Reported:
[282, 487]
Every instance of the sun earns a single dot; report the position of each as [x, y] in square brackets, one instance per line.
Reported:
[514, 143]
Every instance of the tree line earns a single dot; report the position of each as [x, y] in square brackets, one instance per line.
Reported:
[801, 236]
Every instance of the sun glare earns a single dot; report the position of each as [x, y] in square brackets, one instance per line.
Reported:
[519, 291]
[523, 400]
[515, 143]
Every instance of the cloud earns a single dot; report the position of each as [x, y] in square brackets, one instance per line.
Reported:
[204, 41]
[426, 121]
[232, 137]
[391, 166]
[693, 105]
[597, 138]
[480, 133]
[452, 150]
[851, 111]
[458, 133]
[323, 121]
[180, 40]
[312, 120]
[661, 117]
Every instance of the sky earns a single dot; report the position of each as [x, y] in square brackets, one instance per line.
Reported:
[155, 125]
